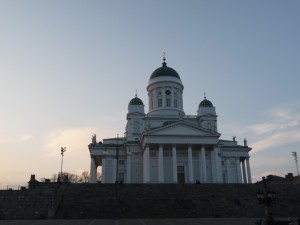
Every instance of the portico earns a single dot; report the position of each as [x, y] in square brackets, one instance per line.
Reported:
[193, 162]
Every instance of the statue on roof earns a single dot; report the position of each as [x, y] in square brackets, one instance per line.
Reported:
[245, 142]
[94, 139]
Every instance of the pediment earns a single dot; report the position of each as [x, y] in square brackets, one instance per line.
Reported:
[182, 129]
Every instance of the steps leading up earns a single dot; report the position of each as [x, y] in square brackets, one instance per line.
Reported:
[79, 201]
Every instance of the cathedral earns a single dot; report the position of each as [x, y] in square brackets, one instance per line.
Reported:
[166, 146]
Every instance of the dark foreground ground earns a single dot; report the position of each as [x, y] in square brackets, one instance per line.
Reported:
[193, 221]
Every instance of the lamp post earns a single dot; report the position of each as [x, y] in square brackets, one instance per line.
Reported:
[295, 156]
[62, 150]
[266, 196]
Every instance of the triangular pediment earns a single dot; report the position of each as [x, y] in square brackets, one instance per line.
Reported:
[182, 129]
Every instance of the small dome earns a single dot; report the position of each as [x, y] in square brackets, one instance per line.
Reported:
[206, 103]
[136, 101]
[164, 71]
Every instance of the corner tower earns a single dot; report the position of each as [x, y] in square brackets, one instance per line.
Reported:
[207, 116]
[165, 92]
[135, 119]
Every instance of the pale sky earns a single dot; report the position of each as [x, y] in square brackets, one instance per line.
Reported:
[69, 68]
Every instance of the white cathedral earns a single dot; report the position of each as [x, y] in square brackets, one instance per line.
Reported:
[167, 146]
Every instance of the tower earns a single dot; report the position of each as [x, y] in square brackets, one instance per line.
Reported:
[207, 116]
[135, 119]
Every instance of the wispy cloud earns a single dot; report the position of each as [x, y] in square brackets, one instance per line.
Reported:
[17, 138]
[282, 128]
[25, 137]
[75, 140]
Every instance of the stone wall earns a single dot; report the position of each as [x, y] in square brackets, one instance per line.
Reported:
[145, 201]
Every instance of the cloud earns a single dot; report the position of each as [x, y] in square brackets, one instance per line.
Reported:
[25, 137]
[73, 139]
[282, 128]
[4, 139]
[277, 139]
[17, 138]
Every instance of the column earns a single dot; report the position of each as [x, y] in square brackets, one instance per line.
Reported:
[248, 171]
[128, 169]
[146, 165]
[93, 171]
[244, 171]
[213, 166]
[174, 159]
[103, 179]
[217, 164]
[238, 169]
[114, 169]
[199, 167]
[203, 163]
[160, 164]
[190, 164]
[228, 172]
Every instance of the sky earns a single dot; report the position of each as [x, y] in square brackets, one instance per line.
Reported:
[68, 69]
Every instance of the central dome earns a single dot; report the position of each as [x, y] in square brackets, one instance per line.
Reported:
[164, 71]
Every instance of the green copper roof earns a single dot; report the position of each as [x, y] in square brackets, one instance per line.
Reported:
[136, 101]
[164, 71]
[206, 103]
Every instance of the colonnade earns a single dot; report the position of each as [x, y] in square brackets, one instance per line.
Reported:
[242, 166]
[191, 178]
[246, 176]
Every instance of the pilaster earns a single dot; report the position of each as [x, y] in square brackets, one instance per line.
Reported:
[128, 169]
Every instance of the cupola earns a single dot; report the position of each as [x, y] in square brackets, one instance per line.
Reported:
[206, 107]
[136, 105]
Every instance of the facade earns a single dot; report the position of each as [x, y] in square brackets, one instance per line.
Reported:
[167, 146]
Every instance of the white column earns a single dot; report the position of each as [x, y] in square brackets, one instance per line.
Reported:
[228, 173]
[114, 166]
[174, 159]
[238, 169]
[190, 163]
[199, 167]
[244, 171]
[93, 171]
[160, 164]
[217, 164]
[203, 163]
[248, 171]
[128, 169]
[146, 165]
[103, 172]
[213, 166]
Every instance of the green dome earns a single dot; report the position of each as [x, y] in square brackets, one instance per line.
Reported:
[136, 101]
[206, 103]
[164, 71]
